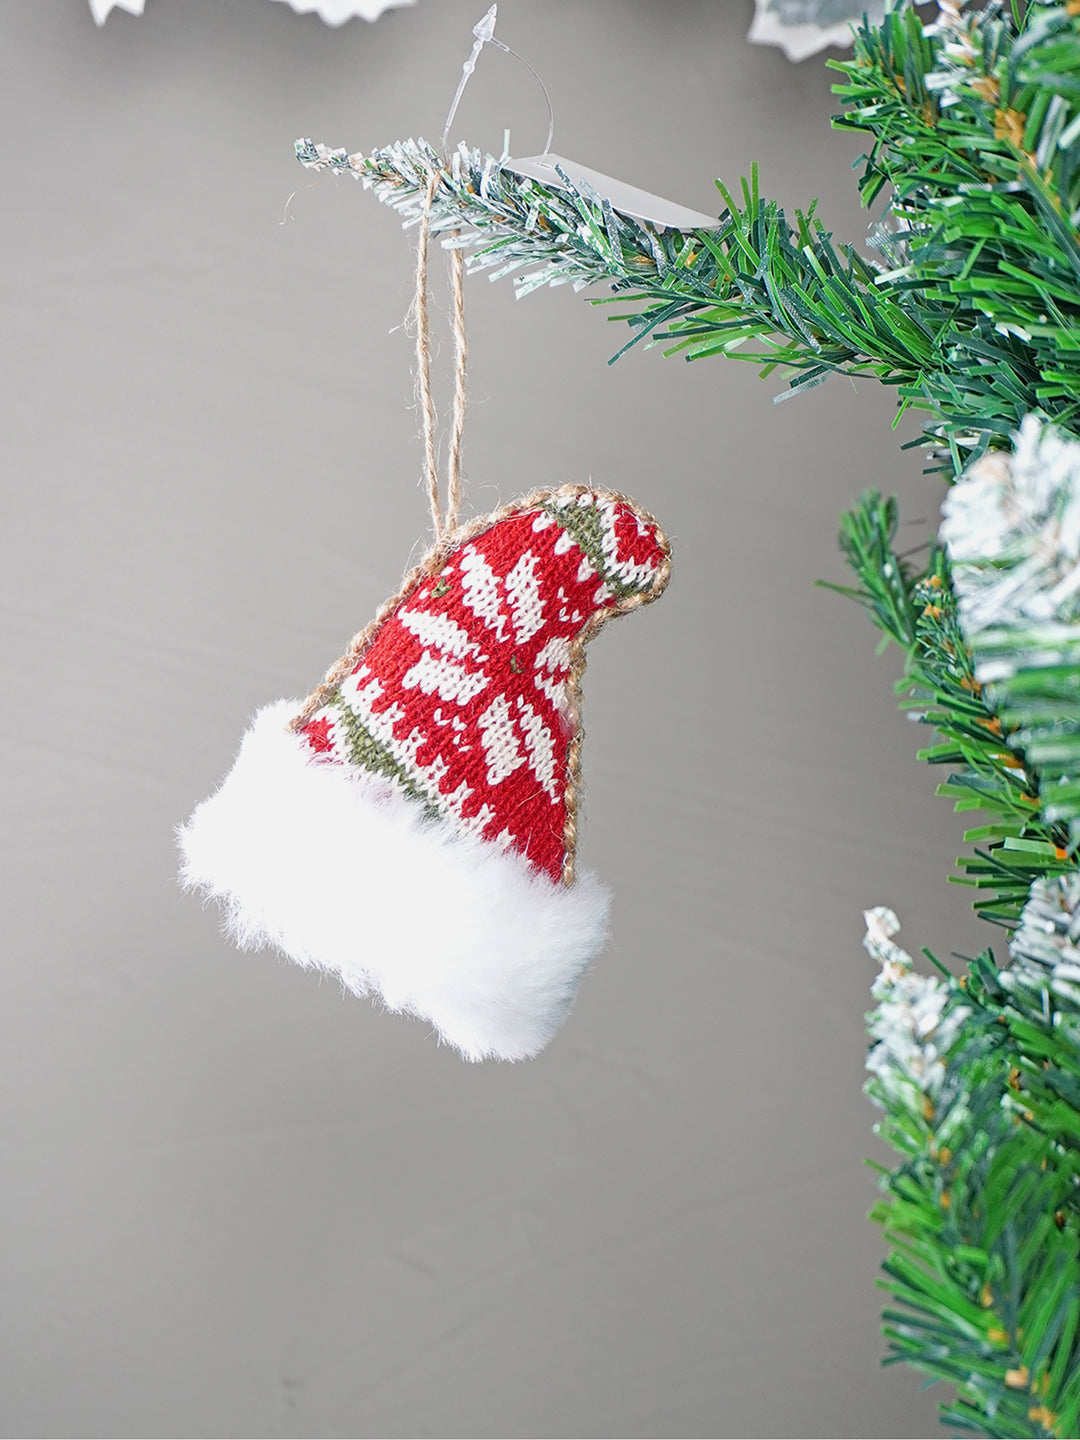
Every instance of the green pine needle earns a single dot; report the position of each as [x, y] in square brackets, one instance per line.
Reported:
[938, 688]
[979, 1081]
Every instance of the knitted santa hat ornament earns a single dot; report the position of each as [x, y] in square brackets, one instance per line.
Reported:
[412, 826]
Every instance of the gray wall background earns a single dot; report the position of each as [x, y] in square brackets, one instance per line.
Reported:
[235, 1203]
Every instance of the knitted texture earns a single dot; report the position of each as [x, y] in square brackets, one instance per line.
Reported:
[465, 696]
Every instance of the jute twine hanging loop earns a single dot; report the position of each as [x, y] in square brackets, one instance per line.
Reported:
[443, 523]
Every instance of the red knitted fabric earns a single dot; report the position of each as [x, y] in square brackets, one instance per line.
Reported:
[463, 697]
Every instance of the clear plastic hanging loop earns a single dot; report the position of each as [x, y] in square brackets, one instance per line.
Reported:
[484, 31]
[556, 171]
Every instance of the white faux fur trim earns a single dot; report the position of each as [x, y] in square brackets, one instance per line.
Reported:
[343, 873]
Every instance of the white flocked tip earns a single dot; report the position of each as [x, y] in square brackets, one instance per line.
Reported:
[341, 873]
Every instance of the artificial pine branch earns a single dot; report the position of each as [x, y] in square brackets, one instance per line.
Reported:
[979, 1083]
[939, 689]
[974, 314]
[980, 1078]
[754, 280]
[976, 130]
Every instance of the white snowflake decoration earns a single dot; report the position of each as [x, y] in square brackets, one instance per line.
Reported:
[100, 8]
[334, 12]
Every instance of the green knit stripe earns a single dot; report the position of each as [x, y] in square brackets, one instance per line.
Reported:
[585, 527]
[371, 754]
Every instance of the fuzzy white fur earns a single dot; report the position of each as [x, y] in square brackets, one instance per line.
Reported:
[343, 873]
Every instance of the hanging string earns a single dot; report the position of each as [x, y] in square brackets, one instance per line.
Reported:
[442, 523]
[461, 359]
[419, 314]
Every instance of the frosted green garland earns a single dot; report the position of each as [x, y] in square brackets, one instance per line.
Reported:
[510, 223]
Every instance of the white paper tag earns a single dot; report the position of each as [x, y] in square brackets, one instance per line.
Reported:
[626, 199]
